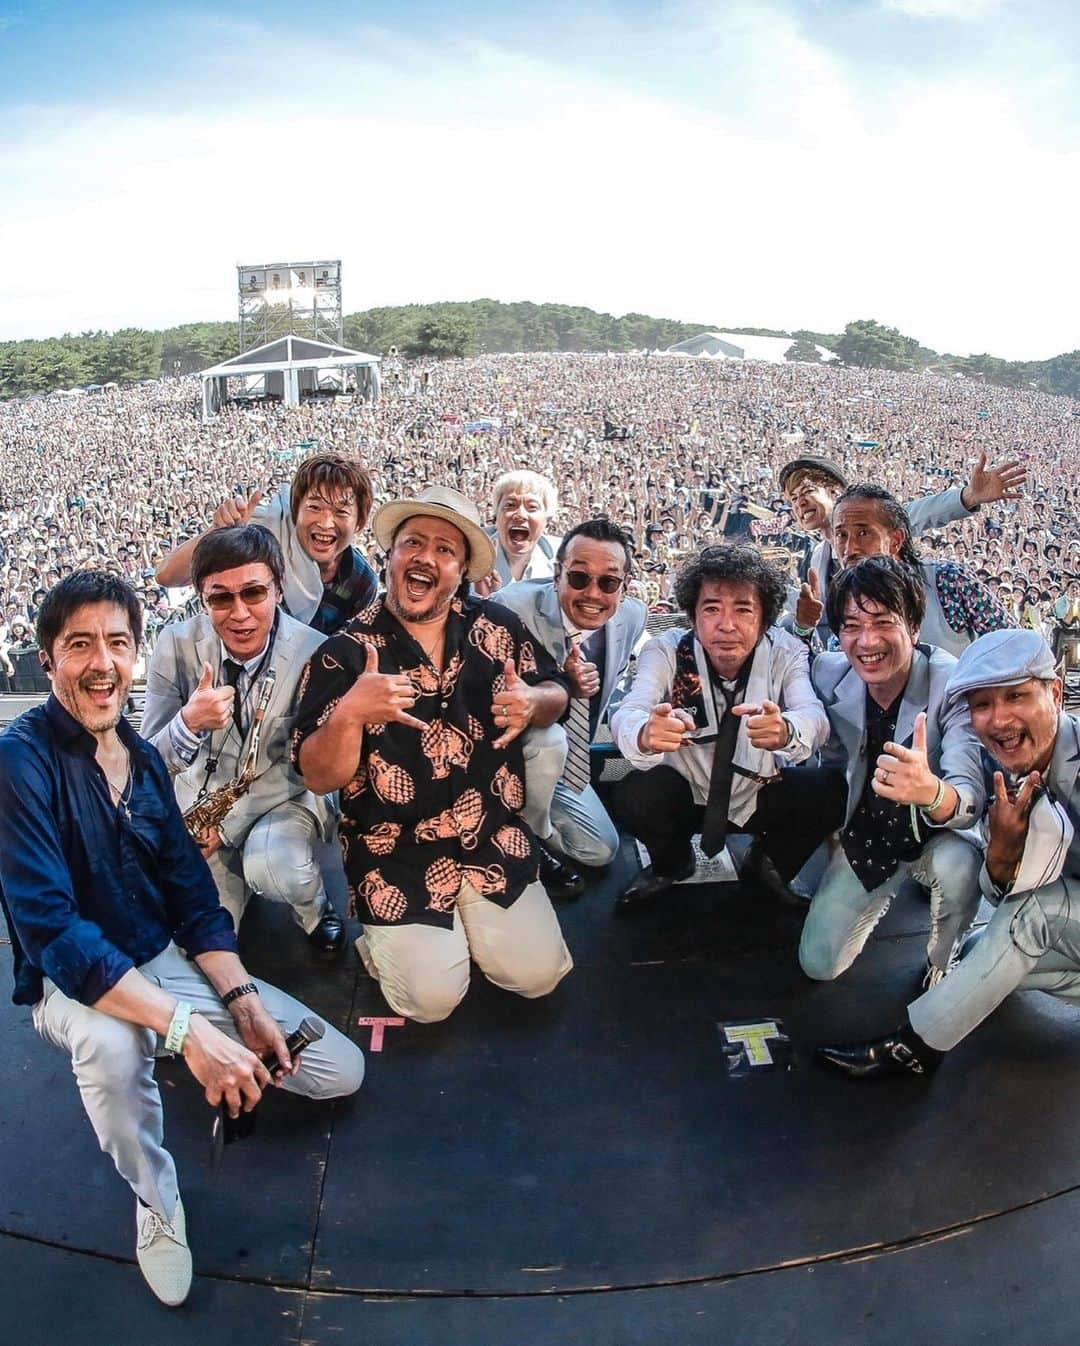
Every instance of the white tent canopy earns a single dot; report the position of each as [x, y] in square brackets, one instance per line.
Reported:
[287, 368]
[738, 346]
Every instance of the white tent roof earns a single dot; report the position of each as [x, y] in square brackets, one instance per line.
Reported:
[738, 346]
[289, 352]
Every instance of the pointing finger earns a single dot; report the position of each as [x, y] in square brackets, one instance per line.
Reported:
[770, 708]
[747, 708]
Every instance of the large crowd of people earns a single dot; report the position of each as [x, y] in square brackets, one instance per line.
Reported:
[405, 624]
[677, 451]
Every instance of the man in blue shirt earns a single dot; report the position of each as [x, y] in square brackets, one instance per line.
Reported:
[102, 888]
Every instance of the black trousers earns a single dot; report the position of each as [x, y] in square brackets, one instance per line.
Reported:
[794, 815]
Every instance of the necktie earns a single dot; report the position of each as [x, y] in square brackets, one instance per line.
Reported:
[715, 826]
[576, 772]
[232, 671]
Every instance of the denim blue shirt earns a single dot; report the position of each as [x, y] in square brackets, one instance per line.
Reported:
[91, 889]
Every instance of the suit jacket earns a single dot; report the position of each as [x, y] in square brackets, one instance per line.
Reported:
[537, 604]
[175, 667]
[541, 562]
[778, 673]
[930, 511]
[952, 748]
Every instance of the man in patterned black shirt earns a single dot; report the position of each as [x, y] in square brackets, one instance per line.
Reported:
[414, 712]
[913, 769]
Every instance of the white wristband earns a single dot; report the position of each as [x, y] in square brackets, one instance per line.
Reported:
[178, 1028]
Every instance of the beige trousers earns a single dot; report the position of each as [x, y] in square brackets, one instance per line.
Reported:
[423, 970]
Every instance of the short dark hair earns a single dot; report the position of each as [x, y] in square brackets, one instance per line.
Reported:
[734, 562]
[600, 529]
[884, 580]
[75, 591]
[895, 515]
[241, 544]
[339, 474]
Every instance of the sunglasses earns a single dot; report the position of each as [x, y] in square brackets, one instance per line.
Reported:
[250, 595]
[607, 584]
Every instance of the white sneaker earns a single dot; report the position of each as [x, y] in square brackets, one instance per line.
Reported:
[163, 1254]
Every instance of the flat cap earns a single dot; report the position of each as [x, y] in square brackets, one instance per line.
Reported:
[1001, 659]
[811, 464]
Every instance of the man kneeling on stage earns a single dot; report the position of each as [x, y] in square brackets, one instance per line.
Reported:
[107, 898]
[209, 679]
[714, 719]
[1032, 869]
[414, 712]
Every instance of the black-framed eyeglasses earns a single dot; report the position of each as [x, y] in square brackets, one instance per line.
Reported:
[581, 579]
[251, 595]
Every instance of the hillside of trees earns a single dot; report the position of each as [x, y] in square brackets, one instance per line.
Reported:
[486, 325]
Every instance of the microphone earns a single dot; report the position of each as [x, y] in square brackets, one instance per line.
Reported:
[229, 1129]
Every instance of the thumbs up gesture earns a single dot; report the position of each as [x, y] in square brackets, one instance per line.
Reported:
[766, 728]
[208, 708]
[903, 774]
[236, 510]
[512, 708]
[584, 676]
[809, 608]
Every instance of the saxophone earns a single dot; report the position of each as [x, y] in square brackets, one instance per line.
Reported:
[210, 808]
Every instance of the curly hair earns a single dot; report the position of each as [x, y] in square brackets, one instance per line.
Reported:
[735, 563]
[892, 513]
[884, 580]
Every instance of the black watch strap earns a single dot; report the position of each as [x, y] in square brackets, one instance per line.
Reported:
[248, 988]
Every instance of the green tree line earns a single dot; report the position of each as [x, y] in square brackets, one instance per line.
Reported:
[486, 325]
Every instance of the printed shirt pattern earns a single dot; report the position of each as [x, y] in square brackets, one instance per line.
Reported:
[428, 810]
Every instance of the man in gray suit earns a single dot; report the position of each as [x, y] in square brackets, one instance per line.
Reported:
[813, 485]
[584, 619]
[1009, 683]
[913, 768]
[206, 677]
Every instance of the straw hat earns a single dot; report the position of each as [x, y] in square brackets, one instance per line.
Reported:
[440, 502]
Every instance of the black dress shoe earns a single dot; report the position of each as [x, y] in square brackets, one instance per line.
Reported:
[648, 886]
[759, 871]
[561, 880]
[902, 1052]
[328, 937]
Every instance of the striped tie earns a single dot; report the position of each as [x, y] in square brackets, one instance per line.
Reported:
[576, 773]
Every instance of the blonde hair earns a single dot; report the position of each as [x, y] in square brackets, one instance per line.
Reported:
[527, 483]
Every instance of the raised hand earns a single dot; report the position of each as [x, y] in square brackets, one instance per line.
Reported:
[584, 677]
[236, 510]
[1008, 819]
[377, 698]
[1000, 482]
[766, 728]
[512, 708]
[208, 708]
[903, 774]
[487, 585]
[666, 729]
[810, 606]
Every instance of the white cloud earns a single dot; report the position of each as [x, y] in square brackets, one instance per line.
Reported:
[964, 11]
[470, 170]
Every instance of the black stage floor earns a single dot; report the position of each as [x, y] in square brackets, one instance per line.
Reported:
[592, 1167]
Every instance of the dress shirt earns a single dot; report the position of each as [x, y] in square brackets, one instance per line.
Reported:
[91, 889]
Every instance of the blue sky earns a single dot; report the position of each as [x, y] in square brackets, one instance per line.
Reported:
[784, 163]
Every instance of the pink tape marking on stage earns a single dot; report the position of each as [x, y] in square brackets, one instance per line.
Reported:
[377, 1027]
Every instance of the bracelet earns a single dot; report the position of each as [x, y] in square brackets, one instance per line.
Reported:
[791, 739]
[938, 798]
[178, 1028]
[803, 632]
[248, 988]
